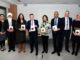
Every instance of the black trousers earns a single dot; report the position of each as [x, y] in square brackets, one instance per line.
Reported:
[75, 44]
[66, 35]
[45, 43]
[57, 41]
[11, 41]
[2, 43]
[33, 42]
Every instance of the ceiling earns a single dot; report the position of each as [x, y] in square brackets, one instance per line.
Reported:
[43, 1]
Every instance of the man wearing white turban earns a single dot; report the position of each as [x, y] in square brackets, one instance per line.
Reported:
[10, 29]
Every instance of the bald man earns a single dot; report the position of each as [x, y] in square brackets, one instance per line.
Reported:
[57, 27]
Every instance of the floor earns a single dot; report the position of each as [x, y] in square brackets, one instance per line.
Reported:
[27, 56]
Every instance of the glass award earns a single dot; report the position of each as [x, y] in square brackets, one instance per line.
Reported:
[77, 32]
[43, 30]
[32, 28]
[23, 27]
[54, 27]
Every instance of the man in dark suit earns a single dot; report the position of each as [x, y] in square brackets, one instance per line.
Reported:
[57, 27]
[67, 23]
[10, 30]
[32, 26]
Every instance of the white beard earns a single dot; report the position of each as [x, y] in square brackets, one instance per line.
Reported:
[10, 21]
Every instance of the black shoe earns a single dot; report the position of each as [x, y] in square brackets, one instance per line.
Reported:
[31, 51]
[58, 54]
[76, 54]
[9, 50]
[53, 52]
[36, 54]
[68, 51]
[42, 51]
[14, 50]
[72, 53]
[46, 51]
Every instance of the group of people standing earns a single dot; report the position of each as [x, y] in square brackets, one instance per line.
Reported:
[62, 29]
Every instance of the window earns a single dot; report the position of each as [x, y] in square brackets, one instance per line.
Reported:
[2, 10]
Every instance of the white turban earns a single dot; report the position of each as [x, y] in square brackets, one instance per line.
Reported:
[9, 14]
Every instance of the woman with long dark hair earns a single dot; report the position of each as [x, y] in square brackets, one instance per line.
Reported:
[21, 33]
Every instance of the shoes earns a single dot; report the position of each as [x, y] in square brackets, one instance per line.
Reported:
[9, 50]
[43, 51]
[68, 51]
[36, 54]
[31, 51]
[53, 52]
[72, 53]
[58, 54]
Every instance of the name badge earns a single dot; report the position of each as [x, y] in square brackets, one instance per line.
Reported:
[54, 27]
[43, 30]
[11, 27]
[77, 32]
[23, 27]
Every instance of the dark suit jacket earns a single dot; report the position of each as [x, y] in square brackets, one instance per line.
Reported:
[14, 27]
[70, 22]
[28, 25]
[60, 24]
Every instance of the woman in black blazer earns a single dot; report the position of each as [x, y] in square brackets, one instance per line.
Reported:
[2, 32]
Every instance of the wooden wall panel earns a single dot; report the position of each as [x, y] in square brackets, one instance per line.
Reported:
[13, 10]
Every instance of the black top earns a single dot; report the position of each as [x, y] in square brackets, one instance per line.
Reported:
[75, 25]
[2, 26]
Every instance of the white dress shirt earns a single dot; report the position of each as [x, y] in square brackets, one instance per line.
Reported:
[66, 23]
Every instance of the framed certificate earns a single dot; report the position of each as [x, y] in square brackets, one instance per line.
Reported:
[43, 30]
[23, 27]
[11, 27]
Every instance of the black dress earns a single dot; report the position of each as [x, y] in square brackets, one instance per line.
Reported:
[20, 35]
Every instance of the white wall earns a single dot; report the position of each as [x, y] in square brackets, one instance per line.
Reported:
[40, 9]
[4, 4]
